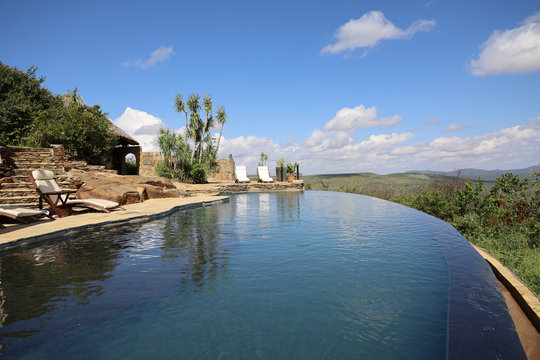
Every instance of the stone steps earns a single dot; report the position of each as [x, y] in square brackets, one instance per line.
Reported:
[23, 178]
[32, 164]
[24, 172]
[34, 204]
[17, 192]
[20, 192]
[29, 200]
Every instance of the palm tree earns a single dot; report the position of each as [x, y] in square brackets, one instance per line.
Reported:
[194, 121]
[207, 102]
[221, 119]
[180, 106]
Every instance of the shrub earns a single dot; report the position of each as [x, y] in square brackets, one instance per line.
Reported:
[198, 174]
[163, 170]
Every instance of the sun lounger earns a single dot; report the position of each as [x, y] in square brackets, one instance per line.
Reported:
[241, 174]
[263, 173]
[58, 199]
[21, 215]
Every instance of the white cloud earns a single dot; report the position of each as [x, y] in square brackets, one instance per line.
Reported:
[349, 120]
[159, 55]
[453, 128]
[512, 51]
[335, 152]
[142, 126]
[369, 30]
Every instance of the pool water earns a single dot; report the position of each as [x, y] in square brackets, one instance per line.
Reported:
[314, 275]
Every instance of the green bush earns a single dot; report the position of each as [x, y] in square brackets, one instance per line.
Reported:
[32, 116]
[163, 170]
[22, 99]
[198, 174]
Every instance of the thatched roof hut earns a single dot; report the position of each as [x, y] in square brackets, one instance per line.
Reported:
[124, 146]
[123, 138]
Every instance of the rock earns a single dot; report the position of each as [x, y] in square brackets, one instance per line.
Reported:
[121, 188]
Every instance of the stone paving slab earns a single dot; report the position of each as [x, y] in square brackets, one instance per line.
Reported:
[14, 236]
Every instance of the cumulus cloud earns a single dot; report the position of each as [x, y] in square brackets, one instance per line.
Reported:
[335, 151]
[327, 152]
[511, 51]
[368, 30]
[141, 126]
[156, 56]
[349, 120]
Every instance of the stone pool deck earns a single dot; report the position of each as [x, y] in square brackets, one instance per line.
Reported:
[19, 235]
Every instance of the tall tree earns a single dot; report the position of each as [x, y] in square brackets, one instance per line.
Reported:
[180, 106]
[22, 100]
[195, 123]
[221, 119]
[207, 103]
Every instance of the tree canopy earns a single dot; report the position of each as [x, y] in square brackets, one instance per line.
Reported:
[31, 115]
[192, 157]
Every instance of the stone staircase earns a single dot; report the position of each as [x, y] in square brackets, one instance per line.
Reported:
[16, 190]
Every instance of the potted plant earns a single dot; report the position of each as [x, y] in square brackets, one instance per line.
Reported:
[280, 170]
[291, 168]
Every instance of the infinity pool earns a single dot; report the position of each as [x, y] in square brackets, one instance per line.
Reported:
[314, 275]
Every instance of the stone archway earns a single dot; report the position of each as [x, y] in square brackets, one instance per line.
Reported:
[119, 158]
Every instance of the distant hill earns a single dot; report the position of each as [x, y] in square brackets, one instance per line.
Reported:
[487, 175]
[387, 186]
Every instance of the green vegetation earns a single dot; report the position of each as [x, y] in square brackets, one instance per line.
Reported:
[30, 115]
[382, 186]
[191, 157]
[503, 218]
[263, 158]
[291, 168]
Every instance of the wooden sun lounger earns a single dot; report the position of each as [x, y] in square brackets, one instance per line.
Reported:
[21, 215]
[58, 199]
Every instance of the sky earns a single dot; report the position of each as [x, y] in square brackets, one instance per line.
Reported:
[337, 86]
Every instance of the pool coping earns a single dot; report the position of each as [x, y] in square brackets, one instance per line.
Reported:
[16, 236]
[526, 299]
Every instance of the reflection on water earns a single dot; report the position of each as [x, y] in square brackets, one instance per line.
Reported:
[268, 276]
[69, 275]
[38, 281]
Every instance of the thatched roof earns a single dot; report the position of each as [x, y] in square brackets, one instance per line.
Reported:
[123, 138]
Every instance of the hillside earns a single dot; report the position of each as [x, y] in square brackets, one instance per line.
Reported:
[391, 185]
[384, 186]
[486, 175]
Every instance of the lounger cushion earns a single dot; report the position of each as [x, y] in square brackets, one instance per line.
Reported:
[241, 174]
[264, 174]
[43, 175]
[107, 204]
[46, 183]
[21, 212]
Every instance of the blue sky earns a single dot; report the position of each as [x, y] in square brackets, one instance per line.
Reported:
[341, 86]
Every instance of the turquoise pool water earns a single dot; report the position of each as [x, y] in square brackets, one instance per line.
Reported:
[312, 275]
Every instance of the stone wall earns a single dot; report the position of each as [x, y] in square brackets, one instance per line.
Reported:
[148, 162]
[225, 170]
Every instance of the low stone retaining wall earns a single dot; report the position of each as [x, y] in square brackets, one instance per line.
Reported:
[250, 187]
